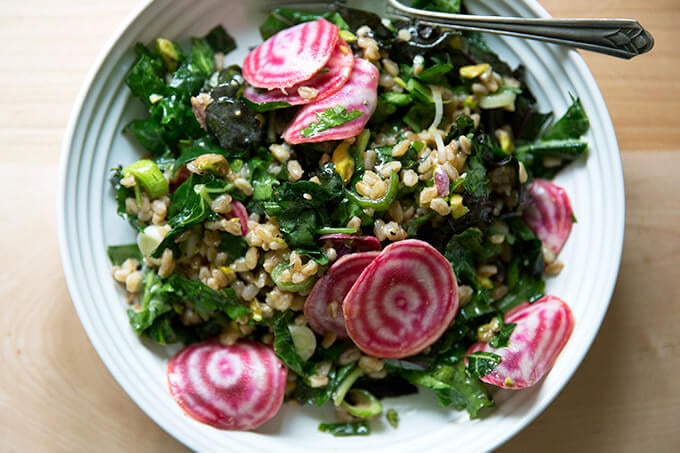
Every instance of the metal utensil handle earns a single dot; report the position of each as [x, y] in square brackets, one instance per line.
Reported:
[623, 38]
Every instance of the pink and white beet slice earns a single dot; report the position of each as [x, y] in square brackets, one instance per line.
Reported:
[403, 301]
[541, 332]
[550, 216]
[359, 93]
[323, 306]
[323, 84]
[237, 387]
[291, 56]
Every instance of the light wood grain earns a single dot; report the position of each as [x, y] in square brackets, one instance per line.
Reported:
[55, 393]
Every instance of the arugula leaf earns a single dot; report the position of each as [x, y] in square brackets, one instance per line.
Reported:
[330, 118]
[482, 363]
[283, 344]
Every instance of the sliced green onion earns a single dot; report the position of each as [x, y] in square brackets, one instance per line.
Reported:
[336, 230]
[345, 385]
[303, 340]
[383, 203]
[363, 403]
[290, 286]
[149, 176]
[498, 100]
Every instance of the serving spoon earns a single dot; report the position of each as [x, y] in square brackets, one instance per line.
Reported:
[623, 38]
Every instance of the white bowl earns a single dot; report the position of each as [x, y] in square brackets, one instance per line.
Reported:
[88, 223]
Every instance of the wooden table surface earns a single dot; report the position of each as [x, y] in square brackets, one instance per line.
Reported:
[56, 394]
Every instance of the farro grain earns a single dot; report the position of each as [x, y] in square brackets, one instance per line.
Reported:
[328, 340]
[318, 381]
[370, 364]
[295, 171]
[167, 265]
[554, 268]
[464, 294]
[440, 206]
[349, 356]
[133, 282]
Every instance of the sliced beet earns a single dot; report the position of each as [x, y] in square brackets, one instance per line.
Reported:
[236, 387]
[550, 216]
[324, 83]
[541, 332]
[239, 211]
[291, 56]
[359, 93]
[403, 301]
[323, 307]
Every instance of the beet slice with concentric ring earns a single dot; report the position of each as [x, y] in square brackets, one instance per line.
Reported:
[291, 56]
[360, 93]
[323, 84]
[403, 301]
[542, 330]
[323, 306]
[237, 387]
[550, 216]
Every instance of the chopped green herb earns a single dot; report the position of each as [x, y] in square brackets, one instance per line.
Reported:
[330, 118]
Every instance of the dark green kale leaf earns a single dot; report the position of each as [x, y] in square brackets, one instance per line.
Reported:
[482, 363]
[560, 142]
[304, 207]
[234, 124]
[190, 205]
[281, 18]
[204, 300]
[454, 387]
[220, 40]
[445, 6]
[356, 428]
[155, 302]
[572, 125]
[502, 338]
[146, 75]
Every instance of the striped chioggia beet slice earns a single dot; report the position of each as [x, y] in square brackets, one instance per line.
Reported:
[291, 55]
[323, 307]
[550, 216]
[541, 331]
[237, 387]
[403, 301]
[323, 84]
[359, 93]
